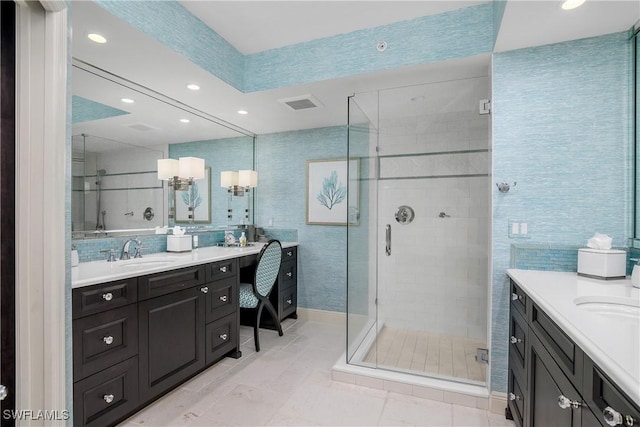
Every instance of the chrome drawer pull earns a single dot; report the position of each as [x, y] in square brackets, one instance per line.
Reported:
[564, 402]
[289, 301]
[514, 340]
[108, 398]
[515, 297]
[108, 296]
[513, 397]
[223, 269]
[289, 253]
[289, 274]
[223, 298]
[204, 289]
[223, 337]
[108, 340]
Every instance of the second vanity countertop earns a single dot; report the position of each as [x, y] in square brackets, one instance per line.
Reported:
[92, 273]
[612, 340]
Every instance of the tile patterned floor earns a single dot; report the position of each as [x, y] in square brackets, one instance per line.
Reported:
[420, 351]
[289, 384]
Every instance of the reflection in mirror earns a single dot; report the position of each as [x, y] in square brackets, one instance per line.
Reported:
[116, 146]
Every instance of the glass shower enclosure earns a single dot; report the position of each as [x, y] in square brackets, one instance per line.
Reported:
[418, 253]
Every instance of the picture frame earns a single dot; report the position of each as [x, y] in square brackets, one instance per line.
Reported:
[202, 191]
[333, 191]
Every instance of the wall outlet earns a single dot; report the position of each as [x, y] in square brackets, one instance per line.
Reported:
[519, 229]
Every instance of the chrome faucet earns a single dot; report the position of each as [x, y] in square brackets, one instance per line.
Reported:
[125, 249]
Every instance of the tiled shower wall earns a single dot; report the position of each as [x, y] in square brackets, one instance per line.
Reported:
[436, 159]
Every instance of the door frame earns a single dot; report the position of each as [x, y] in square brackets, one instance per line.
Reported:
[42, 236]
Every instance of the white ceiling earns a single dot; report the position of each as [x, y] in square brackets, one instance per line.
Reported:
[253, 26]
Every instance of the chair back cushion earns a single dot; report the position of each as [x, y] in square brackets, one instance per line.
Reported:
[268, 267]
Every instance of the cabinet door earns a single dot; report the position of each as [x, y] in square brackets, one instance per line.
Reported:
[547, 386]
[172, 340]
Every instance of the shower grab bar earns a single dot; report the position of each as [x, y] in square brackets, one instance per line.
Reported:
[388, 248]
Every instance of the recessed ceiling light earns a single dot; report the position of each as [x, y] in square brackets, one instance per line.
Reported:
[243, 112]
[185, 120]
[97, 38]
[127, 100]
[193, 86]
[572, 4]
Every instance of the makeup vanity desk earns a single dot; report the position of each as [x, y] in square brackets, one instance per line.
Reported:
[143, 326]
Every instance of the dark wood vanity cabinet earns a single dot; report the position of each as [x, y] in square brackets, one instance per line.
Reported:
[136, 339]
[551, 381]
[287, 286]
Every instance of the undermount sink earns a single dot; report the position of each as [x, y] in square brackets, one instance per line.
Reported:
[619, 306]
[142, 262]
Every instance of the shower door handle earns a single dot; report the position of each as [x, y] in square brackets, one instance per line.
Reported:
[388, 248]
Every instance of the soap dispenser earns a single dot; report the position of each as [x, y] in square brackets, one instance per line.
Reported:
[243, 240]
[635, 274]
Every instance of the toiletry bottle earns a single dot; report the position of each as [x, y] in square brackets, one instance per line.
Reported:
[243, 240]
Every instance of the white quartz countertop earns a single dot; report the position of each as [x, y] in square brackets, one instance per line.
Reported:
[92, 273]
[611, 340]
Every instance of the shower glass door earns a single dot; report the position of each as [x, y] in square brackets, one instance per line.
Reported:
[418, 258]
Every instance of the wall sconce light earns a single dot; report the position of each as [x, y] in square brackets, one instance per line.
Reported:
[182, 172]
[237, 183]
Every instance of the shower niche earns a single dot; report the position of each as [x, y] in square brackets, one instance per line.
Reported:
[114, 186]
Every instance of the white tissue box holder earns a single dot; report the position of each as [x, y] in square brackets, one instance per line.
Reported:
[179, 243]
[606, 264]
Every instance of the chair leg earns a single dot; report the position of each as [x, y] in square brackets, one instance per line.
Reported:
[256, 328]
[274, 316]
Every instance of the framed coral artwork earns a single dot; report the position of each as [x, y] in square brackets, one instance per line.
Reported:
[201, 194]
[332, 191]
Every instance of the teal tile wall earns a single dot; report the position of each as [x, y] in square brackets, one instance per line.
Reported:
[457, 34]
[281, 160]
[561, 131]
[84, 110]
[555, 257]
[498, 13]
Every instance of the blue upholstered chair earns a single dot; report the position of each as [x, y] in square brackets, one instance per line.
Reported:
[255, 296]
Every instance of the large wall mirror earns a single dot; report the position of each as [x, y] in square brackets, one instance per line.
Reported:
[116, 145]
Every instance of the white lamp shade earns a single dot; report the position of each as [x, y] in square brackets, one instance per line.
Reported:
[191, 167]
[228, 179]
[247, 178]
[167, 168]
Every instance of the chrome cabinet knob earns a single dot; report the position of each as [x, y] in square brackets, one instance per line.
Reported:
[223, 337]
[4, 392]
[513, 396]
[289, 253]
[108, 340]
[223, 298]
[290, 274]
[108, 398]
[289, 301]
[223, 269]
[204, 289]
[564, 402]
[108, 296]
[612, 417]
[514, 340]
[515, 297]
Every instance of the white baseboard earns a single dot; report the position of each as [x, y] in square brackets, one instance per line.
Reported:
[325, 316]
[497, 402]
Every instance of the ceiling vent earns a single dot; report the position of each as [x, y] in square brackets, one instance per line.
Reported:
[303, 102]
[142, 127]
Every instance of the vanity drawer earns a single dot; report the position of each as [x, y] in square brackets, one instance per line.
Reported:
[104, 339]
[106, 397]
[221, 337]
[289, 253]
[155, 285]
[518, 331]
[288, 274]
[517, 399]
[565, 352]
[98, 298]
[518, 299]
[222, 269]
[221, 298]
[600, 393]
[288, 301]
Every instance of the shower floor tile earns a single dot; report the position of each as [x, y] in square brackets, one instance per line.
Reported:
[428, 353]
